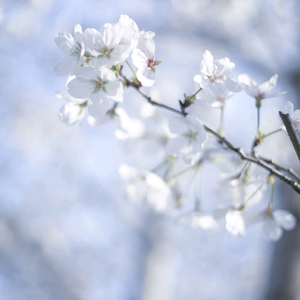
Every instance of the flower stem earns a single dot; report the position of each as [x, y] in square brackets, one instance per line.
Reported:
[194, 95]
[271, 194]
[220, 130]
[253, 195]
[258, 119]
[130, 66]
[275, 131]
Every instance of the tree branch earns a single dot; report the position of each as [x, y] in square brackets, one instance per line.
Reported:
[288, 123]
[260, 162]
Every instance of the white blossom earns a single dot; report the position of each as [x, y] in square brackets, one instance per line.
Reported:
[72, 112]
[295, 115]
[74, 46]
[274, 223]
[144, 186]
[100, 85]
[107, 45]
[190, 136]
[261, 91]
[217, 75]
[235, 223]
[143, 58]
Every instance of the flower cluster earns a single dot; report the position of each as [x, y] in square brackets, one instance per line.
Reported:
[181, 145]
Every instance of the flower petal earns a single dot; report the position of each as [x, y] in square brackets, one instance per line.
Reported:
[146, 76]
[97, 107]
[284, 219]
[271, 230]
[65, 41]
[80, 88]
[268, 85]
[207, 64]
[235, 222]
[139, 58]
[288, 108]
[66, 66]
[202, 80]
[115, 90]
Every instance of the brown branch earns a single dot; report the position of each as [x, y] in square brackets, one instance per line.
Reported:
[288, 123]
[260, 162]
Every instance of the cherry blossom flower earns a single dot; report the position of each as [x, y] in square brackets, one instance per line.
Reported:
[261, 91]
[235, 223]
[74, 46]
[143, 58]
[108, 45]
[73, 111]
[274, 223]
[190, 136]
[100, 85]
[295, 115]
[217, 75]
[144, 186]
[209, 98]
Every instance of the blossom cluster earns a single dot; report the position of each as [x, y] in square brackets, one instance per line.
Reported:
[95, 61]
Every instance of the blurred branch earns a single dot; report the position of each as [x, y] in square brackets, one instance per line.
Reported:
[275, 170]
[288, 123]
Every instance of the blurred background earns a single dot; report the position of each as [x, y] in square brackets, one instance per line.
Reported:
[65, 230]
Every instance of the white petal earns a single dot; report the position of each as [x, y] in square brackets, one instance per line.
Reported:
[97, 108]
[247, 80]
[288, 108]
[274, 94]
[101, 61]
[86, 73]
[193, 158]
[106, 74]
[174, 146]
[271, 230]
[147, 46]
[78, 33]
[65, 41]
[115, 90]
[158, 193]
[71, 114]
[202, 80]
[219, 89]
[285, 219]
[224, 66]
[112, 35]
[139, 58]
[207, 64]
[80, 88]
[232, 85]
[178, 125]
[204, 221]
[268, 85]
[235, 222]
[146, 76]
[66, 66]
[93, 39]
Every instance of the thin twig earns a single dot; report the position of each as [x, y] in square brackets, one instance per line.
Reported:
[278, 167]
[288, 123]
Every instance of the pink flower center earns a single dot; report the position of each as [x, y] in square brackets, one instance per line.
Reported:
[151, 63]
